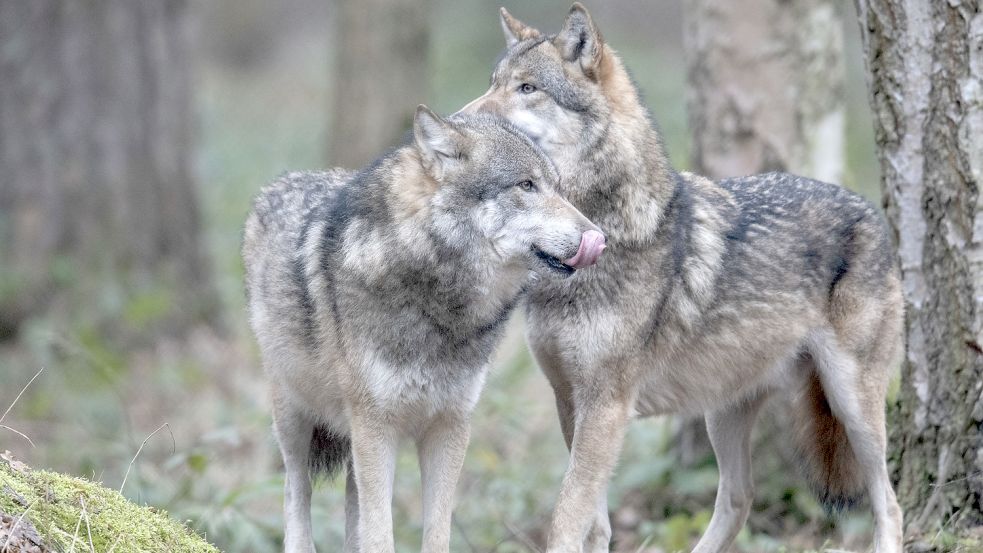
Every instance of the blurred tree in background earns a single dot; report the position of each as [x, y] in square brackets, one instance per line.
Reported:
[382, 73]
[925, 66]
[766, 92]
[96, 145]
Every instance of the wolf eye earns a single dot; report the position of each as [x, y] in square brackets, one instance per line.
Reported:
[526, 186]
[527, 88]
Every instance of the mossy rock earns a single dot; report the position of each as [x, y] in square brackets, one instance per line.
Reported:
[54, 504]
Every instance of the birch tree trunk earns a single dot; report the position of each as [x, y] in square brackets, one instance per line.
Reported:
[765, 93]
[95, 152]
[382, 52]
[925, 75]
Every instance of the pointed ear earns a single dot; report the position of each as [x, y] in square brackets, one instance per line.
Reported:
[580, 41]
[440, 144]
[515, 30]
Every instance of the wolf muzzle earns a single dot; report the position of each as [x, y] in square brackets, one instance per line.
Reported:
[592, 244]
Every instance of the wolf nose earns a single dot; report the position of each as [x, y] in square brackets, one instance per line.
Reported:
[592, 244]
[482, 103]
[474, 106]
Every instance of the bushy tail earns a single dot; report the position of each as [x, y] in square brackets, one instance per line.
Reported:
[823, 449]
[329, 453]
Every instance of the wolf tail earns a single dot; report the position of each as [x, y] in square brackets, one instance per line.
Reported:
[824, 451]
[329, 453]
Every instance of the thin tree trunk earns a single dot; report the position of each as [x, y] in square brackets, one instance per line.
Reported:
[95, 150]
[766, 93]
[925, 71]
[382, 51]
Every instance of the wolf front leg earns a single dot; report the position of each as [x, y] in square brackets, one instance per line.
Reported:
[351, 512]
[441, 450]
[598, 434]
[374, 464]
[598, 538]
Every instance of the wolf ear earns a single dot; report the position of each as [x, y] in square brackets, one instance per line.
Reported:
[515, 30]
[440, 144]
[580, 41]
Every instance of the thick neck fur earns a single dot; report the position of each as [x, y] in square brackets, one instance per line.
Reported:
[420, 244]
[622, 178]
[420, 228]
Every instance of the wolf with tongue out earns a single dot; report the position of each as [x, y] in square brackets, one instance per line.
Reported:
[377, 299]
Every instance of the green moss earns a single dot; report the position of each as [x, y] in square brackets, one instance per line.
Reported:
[55, 502]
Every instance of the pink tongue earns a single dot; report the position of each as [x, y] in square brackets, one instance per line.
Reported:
[591, 246]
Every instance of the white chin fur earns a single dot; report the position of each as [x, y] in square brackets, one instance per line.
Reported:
[529, 124]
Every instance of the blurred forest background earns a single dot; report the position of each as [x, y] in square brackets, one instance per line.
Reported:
[125, 285]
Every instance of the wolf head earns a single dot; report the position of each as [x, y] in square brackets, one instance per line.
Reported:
[561, 90]
[494, 186]
[571, 94]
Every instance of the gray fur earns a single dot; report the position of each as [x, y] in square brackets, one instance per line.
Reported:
[377, 298]
[713, 296]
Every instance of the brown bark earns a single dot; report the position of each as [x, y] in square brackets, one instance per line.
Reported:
[382, 71]
[925, 75]
[95, 150]
[765, 93]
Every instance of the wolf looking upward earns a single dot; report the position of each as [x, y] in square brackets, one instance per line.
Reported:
[713, 297]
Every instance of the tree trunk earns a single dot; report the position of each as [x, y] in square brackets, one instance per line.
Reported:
[766, 88]
[925, 70]
[95, 150]
[382, 51]
[766, 93]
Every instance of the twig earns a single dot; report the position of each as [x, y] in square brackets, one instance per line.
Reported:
[522, 537]
[115, 543]
[19, 433]
[14, 527]
[159, 428]
[957, 480]
[514, 532]
[88, 529]
[7, 412]
[461, 531]
[76, 535]
[645, 543]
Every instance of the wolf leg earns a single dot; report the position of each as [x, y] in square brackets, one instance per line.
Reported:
[351, 512]
[293, 432]
[374, 463]
[598, 435]
[864, 423]
[730, 434]
[441, 450]
[598, 538]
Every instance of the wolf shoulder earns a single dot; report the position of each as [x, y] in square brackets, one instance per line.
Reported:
[292, 196]
[280, 213]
